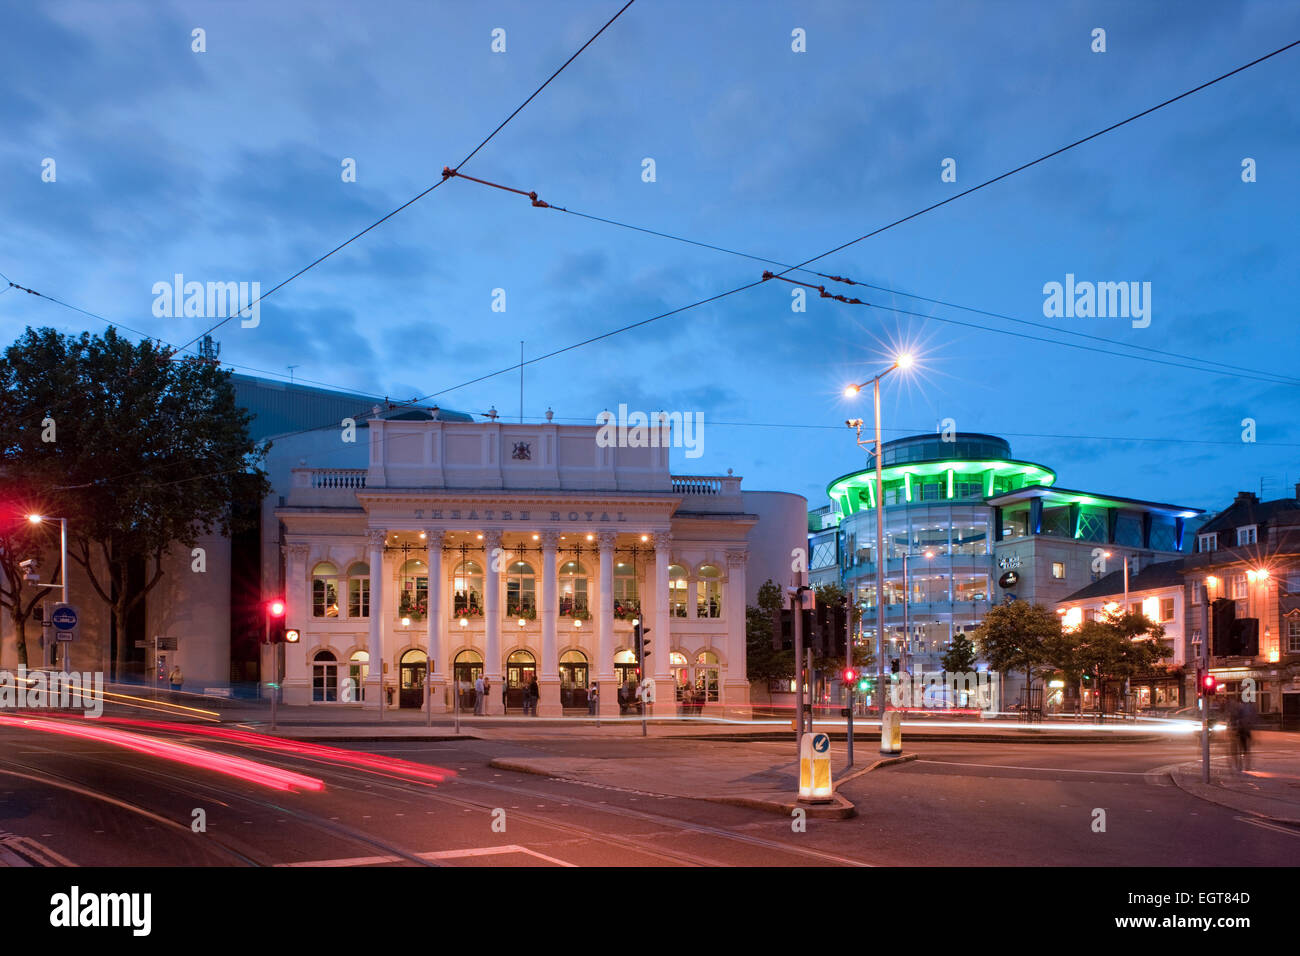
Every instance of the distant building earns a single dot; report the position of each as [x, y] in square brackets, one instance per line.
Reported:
[969, 525]
[1243, 595]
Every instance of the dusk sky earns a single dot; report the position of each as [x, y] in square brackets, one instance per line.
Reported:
[226, 165]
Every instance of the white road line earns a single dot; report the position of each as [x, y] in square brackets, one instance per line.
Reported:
[433, 855]
[1269, 825]
[999, 766]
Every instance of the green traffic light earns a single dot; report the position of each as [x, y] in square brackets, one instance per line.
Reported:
[862, 685]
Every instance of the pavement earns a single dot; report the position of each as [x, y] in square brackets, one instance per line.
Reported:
[1269, 788]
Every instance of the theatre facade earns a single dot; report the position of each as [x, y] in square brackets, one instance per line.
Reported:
[519, 552]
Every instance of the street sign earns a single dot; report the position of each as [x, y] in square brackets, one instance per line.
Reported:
[65, 635]
[815, 768]
[166, 643]
[64, 617]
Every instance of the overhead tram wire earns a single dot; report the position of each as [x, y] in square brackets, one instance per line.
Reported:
[426, 192]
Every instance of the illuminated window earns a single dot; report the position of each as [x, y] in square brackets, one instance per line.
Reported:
[325, 590]
[573, 590]
[358, 668]
[677, 590]
[359, 590]
[521, 590]
[413, 590]
[467, 589]
[324, 678]
[1058, 569]
[706, 676]
[709, 594]
[626, 602]
[1166, 609]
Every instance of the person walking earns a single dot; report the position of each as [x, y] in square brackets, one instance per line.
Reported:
[1246, 715]
[593, 699]
[479, 689]
[505, 696]
[176, 679]
[534, 694]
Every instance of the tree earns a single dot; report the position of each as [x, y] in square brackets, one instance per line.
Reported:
[1016, 637]
[762, 660]
[1116, 647]
[961, 655]
[149, 451]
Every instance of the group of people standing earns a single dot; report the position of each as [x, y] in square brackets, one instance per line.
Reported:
[483, 687]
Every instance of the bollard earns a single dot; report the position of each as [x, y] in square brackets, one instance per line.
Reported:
[891, 732]
[815, 769]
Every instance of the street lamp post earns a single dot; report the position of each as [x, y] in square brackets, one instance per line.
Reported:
[63, 561]
[903, 361]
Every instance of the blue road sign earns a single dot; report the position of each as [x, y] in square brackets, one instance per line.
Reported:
[821, 743]
[64, 617]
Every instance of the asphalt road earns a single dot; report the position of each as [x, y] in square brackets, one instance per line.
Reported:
[92, 804]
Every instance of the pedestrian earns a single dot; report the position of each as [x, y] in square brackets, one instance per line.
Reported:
[534, 694]
[505, 695]
[1246, 714]
[176, 679]
[593, 700]
[480, 688]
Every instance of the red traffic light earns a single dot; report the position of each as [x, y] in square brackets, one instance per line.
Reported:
[1209, 682]
[275, 608]
[850, 675]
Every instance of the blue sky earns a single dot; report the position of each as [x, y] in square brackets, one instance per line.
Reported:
[225, 166]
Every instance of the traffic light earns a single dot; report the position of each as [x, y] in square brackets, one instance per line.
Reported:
[275, 610]
[850, 675]
[642, 646]
[1209, 684]
[864, 684]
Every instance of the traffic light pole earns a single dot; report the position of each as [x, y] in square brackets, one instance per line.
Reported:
[1200, 682]
[849, 668]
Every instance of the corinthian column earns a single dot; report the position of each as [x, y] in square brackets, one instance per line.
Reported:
[605, 626]
[437, 622]
[735, 686]
[492, 618]
[374, 677]
[661, 642]
[297, 676]
[549, 680]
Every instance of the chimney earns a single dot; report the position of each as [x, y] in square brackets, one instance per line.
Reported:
[1246, 497]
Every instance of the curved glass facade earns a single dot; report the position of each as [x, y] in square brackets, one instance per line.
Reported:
[937, 542]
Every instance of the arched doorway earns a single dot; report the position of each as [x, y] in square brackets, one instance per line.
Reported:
[468, 667]
[573, 679]
[413, 668]
[706, 677]
[324, 678]
[521, 668]
[680, 670]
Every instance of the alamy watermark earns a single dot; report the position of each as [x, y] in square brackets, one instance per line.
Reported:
[944, 690]
[1102, 300]
[52, 690]
[216, 300]
[652, 430]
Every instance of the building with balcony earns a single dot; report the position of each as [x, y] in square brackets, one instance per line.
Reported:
[967, 525]
[1243, 596]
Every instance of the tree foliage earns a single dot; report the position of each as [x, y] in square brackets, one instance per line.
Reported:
[1017, 636]
[148, 451]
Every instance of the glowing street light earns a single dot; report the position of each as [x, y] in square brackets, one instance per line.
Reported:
[903, 361]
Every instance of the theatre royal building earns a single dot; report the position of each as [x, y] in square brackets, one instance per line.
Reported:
[456, 549]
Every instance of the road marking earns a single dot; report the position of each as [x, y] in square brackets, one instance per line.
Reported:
[434, 855]
[1269, 825]
[999, 766]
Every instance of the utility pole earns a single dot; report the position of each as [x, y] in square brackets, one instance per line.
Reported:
[1200, 681]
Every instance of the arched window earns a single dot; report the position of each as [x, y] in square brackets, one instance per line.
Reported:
[680, 669]
[521, 590]
[706, 676]
[467, 588]
[468, 667]
[325, 590]
[412, 669]
[324, 677]
[358, 669]
[626, 668]
[521, 668]
[709, 592]
[359, 590]
[413, 590]
[573, 590]
[626, 602]
[677, 590]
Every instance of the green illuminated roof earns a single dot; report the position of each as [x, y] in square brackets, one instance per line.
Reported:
[855, 491]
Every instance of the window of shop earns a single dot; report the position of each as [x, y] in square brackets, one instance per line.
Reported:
[625, 666]
[677, 590]
[706, 676]
[573, 590]
[358, 669]
[971, 587]
[521, 591]
[709, 592]
[324, 677]
[626, 601]
[413, 590]
[324, 590]
[969, 539]
[573, 679]
[467, 589]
